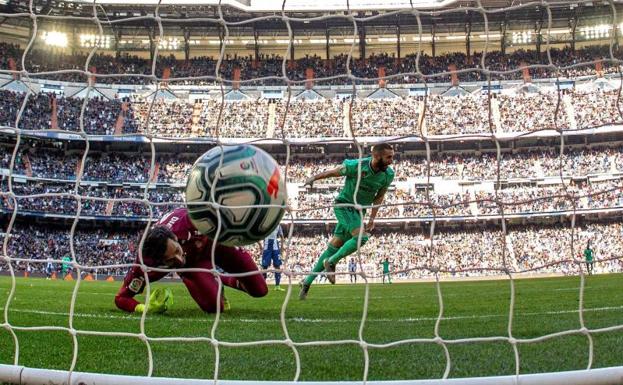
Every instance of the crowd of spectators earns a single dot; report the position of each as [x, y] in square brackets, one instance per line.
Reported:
[412, 254]
[47, 161]
[318, 203]
[532, 112]
[324, 118]
[132, 69]
[594, 195]
[596, 109]
[310, 119]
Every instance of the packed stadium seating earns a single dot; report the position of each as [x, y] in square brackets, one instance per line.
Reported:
[592, 174]
[41, 60]
[457, 253]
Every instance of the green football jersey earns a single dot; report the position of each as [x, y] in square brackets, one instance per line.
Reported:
[385, 266]
[588, 254]
[371, 182]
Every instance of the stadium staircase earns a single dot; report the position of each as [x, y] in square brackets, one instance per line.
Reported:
[27, 165]
[421, 121]
[570, 111]
[473, 206]
[154, 177]
[110, 205]
[538, 169]
[495, 115]
[196, 116]
[346, 119]
[613, 164]
[512, 258]
[78, 166]
[121, 118]
[272, 118]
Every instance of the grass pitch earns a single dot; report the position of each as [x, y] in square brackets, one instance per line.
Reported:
[397, 312]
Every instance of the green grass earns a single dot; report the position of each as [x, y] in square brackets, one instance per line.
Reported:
[401, 311]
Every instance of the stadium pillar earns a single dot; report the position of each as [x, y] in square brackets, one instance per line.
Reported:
[292, 48]
[432, 32]
[327, 35]
[74, 43]
[539, 38]
[221, 38]
[468, 33]
[118, 36]
[256, 48]
[398, 41]
[573, 24]
[152, 43]
[362, 41]
[186, 44]
[503, 27]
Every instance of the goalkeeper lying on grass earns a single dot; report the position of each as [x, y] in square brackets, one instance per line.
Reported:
[175, 243]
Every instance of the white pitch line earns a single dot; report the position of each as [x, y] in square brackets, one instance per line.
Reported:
[317, 320]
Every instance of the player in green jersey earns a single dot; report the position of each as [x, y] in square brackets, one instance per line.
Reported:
[66, 267]
[588, 256]
[386, 273]
[375, 178]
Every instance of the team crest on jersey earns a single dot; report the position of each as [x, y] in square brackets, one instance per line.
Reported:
[136, 284]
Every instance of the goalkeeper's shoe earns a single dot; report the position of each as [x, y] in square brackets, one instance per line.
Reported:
[226, 304]
[304, 289]
[279, 288]
[329, 268]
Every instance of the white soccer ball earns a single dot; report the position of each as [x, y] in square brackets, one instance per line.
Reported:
[247, 176]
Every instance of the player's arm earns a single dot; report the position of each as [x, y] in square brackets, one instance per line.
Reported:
[332, 173]
[378, 200]
[133, 284]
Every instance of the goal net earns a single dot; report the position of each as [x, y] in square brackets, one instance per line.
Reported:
[506, 125]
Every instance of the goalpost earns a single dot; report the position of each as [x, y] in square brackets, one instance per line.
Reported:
[16, 373]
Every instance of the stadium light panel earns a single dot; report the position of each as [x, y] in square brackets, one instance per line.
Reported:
[55, 38]
[522, 37]
[91, 40]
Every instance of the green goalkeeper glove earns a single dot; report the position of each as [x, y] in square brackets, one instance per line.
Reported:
[159, 301]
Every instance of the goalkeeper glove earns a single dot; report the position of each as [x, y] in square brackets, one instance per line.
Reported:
[159, 301]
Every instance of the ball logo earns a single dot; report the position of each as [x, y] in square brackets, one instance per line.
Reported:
[245, 165]
[273, 184]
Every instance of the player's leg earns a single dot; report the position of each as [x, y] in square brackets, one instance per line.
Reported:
[237, 260]
[266, 257]
[352, 221]
[203, 287]
[277, 265]
[332, 247]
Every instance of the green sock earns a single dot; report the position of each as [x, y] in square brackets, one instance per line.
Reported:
[320, 264]
[347, 248]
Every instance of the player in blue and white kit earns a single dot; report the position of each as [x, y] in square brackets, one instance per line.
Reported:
[272, 253]
[49, 268]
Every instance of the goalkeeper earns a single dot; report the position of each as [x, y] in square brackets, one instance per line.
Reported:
[376, 177]
[175, 243]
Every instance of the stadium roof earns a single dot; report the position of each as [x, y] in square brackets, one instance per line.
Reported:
[296, 5]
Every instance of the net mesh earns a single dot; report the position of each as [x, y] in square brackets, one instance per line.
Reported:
[418, 126]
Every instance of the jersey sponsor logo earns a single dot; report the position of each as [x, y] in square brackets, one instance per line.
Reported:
[273, 184]
[136, 284]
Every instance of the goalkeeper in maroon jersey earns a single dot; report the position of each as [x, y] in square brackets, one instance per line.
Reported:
[175, 243]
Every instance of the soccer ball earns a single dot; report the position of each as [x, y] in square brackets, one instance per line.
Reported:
[247, 176]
